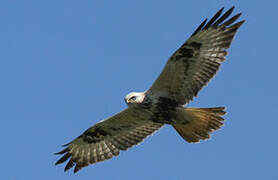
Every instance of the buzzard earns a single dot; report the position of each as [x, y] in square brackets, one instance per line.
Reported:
[188, 70]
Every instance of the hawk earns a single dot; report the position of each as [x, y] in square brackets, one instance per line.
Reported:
[188, 70]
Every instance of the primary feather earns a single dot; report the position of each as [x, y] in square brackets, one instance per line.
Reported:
[192, 66]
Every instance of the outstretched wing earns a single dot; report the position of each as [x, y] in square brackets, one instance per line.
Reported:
[105, 139]
[198, 59]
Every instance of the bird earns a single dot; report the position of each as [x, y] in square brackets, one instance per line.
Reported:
[186, 72]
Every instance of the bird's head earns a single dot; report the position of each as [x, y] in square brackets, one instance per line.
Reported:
[134, 98]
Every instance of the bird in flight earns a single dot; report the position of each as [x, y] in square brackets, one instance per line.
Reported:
[188, 70]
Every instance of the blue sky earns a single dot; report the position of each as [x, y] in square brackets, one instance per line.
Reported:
[65, 65]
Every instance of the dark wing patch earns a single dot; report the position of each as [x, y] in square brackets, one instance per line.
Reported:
[192, 66]
[98, 143]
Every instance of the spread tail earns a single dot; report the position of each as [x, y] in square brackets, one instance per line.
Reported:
[200, 122]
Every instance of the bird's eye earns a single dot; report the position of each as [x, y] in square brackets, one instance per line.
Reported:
[133, 98]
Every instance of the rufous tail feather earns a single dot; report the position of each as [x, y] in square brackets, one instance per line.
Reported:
[201, 122]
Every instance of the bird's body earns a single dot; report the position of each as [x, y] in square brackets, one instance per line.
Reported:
[188, 70]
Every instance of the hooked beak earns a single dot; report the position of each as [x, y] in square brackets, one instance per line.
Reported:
[126, 100]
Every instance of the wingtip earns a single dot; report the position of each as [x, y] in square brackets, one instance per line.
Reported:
[62, 152]
[239, 14]
[63, 159]
[58, 162]
[69, 165]
[239, 23]
[76, 169]
[200, 27]
[243, 21]
[232, 8]
[64, 145]
[220, 10]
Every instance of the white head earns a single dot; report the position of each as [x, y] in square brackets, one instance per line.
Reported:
[134, 98]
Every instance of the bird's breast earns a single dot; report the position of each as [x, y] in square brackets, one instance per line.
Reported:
[163, 109]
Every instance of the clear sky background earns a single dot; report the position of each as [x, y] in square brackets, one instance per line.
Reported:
[65, 65]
